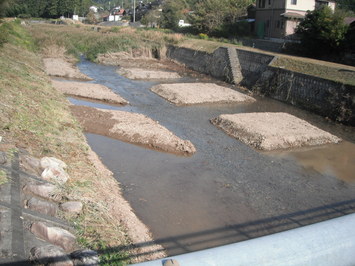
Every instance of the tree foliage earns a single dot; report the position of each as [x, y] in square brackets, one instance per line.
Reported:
[172, 13]
[48, 8]
[4, 4]
[213, 17]
[322, 32]
[347, 5]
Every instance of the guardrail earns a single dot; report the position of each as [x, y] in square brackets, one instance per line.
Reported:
[330, 243]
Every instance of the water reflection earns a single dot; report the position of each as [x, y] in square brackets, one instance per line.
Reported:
[335, 159]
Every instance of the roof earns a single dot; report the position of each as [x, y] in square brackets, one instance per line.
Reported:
[349, 20]
[292, 15]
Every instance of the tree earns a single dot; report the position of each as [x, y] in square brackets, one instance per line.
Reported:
[172, 13]
[347, 5]
[217, 16]
[322, 32]
[4, 4]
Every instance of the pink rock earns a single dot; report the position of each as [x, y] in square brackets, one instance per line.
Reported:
[47, 191]
[30, 163]
[54, 235]
[41, 206]
[52, 162]
[72, 207]
[55, 174]
[50, 255]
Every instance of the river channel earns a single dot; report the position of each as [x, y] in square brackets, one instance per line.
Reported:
[226, 192]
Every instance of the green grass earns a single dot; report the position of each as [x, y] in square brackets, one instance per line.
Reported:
[3, 177]
[340, 73]
[14, 33]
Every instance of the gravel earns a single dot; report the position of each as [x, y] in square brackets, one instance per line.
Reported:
[199, 93]
[270, 131]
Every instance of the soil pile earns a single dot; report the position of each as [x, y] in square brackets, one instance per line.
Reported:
[139, 73]
[59, 67]
[199, 93]
[133, 128]
[271, 131]
[89, 90]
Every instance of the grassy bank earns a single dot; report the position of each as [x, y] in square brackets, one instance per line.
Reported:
[81, 39]
[35, 117]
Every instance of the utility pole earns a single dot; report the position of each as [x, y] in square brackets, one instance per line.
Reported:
[134, 11]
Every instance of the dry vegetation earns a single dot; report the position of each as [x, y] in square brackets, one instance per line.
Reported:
[34, 116]
[89, 41]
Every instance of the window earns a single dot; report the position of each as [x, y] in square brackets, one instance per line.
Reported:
[269, 2]
[293, 2]
[262, 3]
[278, 24]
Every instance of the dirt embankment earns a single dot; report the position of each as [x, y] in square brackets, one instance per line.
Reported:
[40, 122]
[88, 90]
[133, 128]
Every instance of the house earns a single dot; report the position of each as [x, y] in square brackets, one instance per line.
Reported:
[279, 18]
[182, 23]
[93, 9]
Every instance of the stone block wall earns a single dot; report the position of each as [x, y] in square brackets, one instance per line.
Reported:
[252, 64]
[215, 64]
[324, 97]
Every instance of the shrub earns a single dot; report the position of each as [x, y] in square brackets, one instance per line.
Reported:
[322, 32]
[203, 36]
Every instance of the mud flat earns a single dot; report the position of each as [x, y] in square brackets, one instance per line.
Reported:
[199, 93]
[59, 67]
[133, 128]
[271, 131]
[139, 73]
[88, 90]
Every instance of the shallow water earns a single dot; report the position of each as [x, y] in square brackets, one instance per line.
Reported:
[227, 191]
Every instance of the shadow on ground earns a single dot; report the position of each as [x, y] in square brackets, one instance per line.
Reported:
[248, 230]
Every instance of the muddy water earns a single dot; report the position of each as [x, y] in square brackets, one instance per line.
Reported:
[227, 191]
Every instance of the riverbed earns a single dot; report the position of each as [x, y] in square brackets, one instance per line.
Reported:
[226, 192]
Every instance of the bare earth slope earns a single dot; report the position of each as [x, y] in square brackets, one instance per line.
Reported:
[88, 90]
[198, 93]
[131, 127]
[270, 131]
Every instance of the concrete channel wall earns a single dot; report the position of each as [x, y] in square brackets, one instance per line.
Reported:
[321, 96]
[215, 64]
[324, 97]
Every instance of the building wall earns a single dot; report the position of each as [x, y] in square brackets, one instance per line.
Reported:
[302, 5]
[273, 23]
[291, 26]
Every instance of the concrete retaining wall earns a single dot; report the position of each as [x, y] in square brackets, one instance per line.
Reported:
[324, 97]
[252, 64]
[215, 64]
